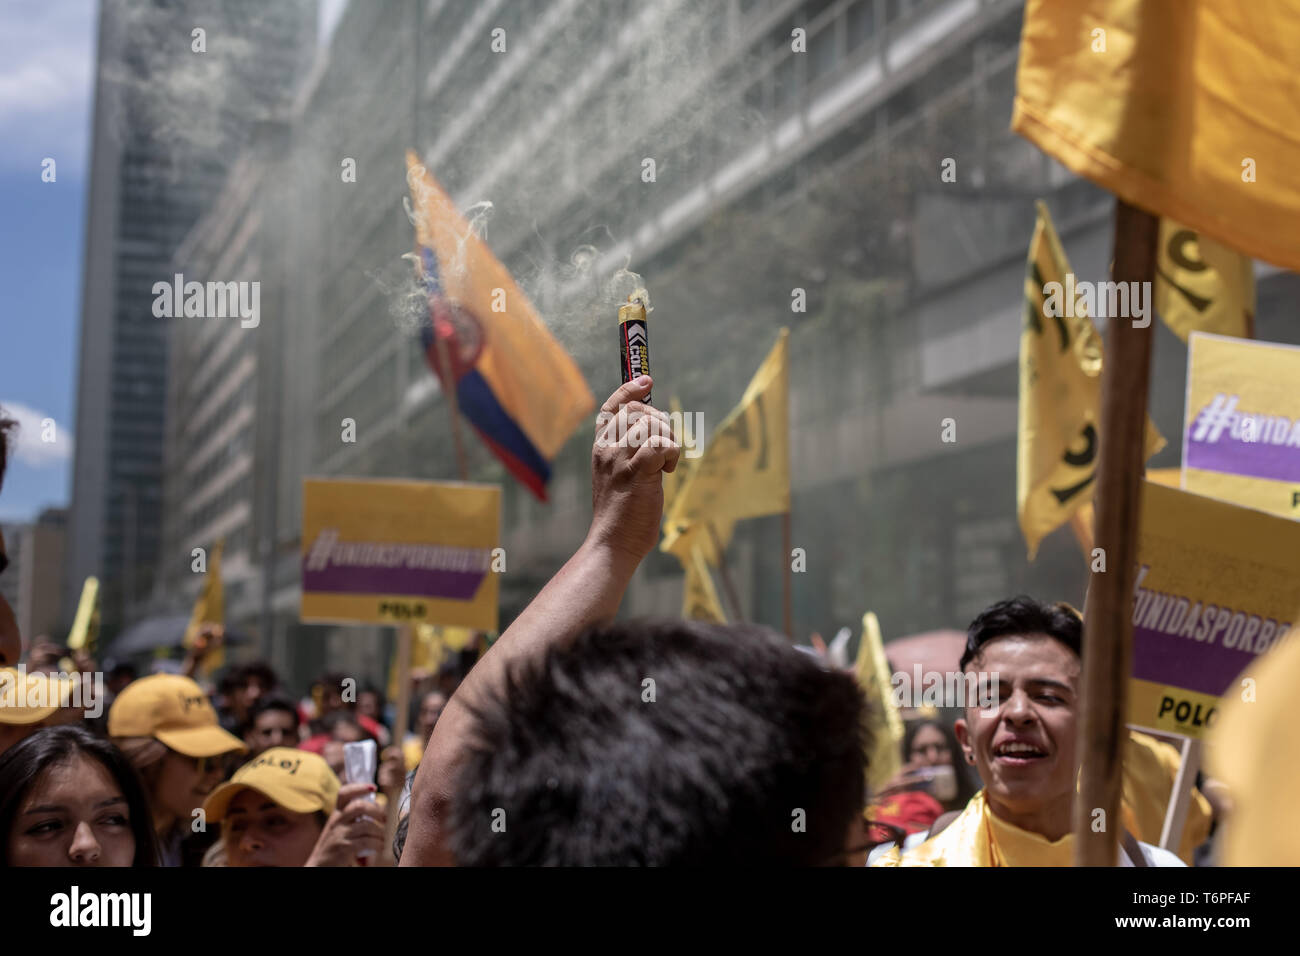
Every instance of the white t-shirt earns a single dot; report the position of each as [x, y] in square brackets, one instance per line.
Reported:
[1154, 855]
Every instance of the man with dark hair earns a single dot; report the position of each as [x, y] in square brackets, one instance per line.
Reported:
[1023, 746]
[11, 644]
[241, 688]
[272, 722]
[576, 740]
[675, 742]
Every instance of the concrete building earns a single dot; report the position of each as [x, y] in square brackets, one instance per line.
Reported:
[177, 88]
[730, 154]
[33, 582]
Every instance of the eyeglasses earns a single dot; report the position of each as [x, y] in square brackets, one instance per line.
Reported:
[202, 765]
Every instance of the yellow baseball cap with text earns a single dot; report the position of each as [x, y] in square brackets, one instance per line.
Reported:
[28, 698]
[298, 780]
[174, 710]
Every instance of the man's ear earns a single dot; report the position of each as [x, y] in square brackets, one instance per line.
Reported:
[964, 738]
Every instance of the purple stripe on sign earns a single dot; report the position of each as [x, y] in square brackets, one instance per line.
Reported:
[454, 585]
[1186, 662]
[1254, 459]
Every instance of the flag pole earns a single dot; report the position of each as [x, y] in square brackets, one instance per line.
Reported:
[1108, 625]
[725, 573]
[401, 721]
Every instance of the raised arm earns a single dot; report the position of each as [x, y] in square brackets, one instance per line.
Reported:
[627, 507]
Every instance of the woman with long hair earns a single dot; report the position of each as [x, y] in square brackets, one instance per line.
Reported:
[169, 731]
[69, 798]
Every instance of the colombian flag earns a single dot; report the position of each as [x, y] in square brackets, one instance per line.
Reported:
[515, 384]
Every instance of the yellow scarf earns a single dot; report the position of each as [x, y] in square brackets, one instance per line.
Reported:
[978, 837]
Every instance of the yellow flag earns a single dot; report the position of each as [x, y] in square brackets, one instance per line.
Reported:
[699, 597]
[209, 608]
[1186, 108]
[673, 481]
[1060, 393]
[886, 725]
[85, 626]
[745, 471]
[1202, 285]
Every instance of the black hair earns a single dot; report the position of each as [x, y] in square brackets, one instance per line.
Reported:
[122, 669]
[1024, 615]
[240, 675]
[8, 428]
[25, 761]
[965, 786]
[271, 702]
[336, 717]
[743, 750]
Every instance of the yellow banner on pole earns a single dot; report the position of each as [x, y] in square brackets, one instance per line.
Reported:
[1186, 108]
[745, 471]
[400, 552]
[85, 626]
[1202, 285]
[1060, 393]
[872, 671]
[209, 608]
[699, 596]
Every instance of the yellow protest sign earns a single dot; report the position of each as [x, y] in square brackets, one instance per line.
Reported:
[1241, 437]
[1217, 586]
[400, 552]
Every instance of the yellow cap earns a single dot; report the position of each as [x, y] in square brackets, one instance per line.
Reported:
[30, 698]
[174, 710]
[298, 780]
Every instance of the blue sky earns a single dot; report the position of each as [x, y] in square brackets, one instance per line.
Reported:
[47, 51]
[46, 58]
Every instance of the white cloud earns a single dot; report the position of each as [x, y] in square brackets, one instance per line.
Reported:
[30, 447]
[47, 57]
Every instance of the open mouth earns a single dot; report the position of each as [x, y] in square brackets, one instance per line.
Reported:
[1018, 753]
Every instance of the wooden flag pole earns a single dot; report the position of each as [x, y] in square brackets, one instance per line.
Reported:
[401, 721]
[787, 577]
[725, 573]
[1108, 625]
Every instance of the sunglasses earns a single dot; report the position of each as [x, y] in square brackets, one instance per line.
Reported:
[201, 764]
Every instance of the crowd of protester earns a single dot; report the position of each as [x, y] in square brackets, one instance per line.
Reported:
[577, 739]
